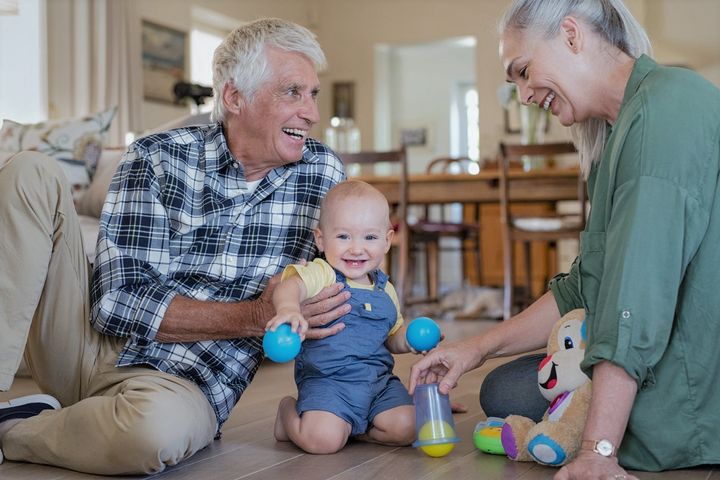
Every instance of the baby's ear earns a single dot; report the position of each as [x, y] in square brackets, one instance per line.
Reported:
[388, 239]
[319, 239]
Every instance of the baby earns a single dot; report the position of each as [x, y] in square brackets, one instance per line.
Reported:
[345, 382]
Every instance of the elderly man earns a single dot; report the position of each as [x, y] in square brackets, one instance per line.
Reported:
[197, 223]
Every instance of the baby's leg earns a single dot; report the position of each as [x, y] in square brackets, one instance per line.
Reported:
[316, 431]
[393, 427]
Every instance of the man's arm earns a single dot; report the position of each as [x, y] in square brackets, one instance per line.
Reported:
[188, 320]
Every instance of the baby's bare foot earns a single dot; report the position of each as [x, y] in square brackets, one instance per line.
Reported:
[287, 403]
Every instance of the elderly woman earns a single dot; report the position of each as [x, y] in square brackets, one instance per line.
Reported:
[647, 273]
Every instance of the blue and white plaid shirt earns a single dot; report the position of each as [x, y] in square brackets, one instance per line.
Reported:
[179, 219]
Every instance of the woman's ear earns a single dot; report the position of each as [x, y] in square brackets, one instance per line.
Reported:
[232, 99]
[572, 34]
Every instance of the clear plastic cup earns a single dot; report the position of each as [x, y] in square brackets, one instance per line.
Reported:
[434, 425]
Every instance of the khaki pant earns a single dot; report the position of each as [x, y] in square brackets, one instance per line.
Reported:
[115, 420]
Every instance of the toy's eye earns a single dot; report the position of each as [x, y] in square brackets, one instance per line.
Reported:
[569, 343]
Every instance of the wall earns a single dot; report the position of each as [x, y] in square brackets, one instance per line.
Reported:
[683, 31]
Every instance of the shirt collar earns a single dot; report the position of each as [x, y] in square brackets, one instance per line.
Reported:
[643, 66]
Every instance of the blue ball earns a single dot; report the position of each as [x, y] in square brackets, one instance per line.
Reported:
[423, 334]
[282, 345]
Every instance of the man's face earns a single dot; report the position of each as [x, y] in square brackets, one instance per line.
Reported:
[271, 130]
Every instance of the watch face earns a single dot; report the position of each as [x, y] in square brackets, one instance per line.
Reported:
[604, 448]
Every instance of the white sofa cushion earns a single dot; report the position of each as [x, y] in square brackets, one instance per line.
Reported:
[76, 143]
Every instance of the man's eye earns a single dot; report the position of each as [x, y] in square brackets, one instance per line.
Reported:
[293, 91]
[523, 72]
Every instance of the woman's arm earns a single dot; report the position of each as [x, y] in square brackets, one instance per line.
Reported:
[612, 400]
[527, 331]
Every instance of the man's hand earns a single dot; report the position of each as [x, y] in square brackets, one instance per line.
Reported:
[323, 308]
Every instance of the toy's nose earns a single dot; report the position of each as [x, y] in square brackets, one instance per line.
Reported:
[544, 362]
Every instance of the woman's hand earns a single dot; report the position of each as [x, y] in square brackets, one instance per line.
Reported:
[591, 466]
[323, 308]
[445, 365]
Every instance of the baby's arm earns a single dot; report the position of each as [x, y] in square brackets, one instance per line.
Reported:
[397, 343]
[286, 299]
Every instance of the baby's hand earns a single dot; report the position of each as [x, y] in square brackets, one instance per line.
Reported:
[297, 322]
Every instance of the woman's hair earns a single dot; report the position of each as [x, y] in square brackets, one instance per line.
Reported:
[610, 19]
[241, 58]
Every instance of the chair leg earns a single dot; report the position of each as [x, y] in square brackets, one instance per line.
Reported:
[528, 297]
[508, 280]
[432, 254]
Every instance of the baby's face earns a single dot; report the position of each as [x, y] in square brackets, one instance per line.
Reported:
[355, 236]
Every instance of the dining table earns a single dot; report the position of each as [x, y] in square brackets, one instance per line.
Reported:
[479, 194]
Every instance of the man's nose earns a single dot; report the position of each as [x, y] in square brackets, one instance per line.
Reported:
[309, 111]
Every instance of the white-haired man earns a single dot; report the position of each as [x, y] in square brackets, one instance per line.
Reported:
[149, 357]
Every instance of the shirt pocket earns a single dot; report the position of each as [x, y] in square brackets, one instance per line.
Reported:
[590, 267]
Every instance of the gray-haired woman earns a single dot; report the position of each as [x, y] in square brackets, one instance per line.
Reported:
[649, 143]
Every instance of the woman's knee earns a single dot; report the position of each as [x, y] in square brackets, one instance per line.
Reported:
[511, 389]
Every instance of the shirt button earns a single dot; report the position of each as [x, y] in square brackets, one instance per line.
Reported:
[236, 165]
[626, 314]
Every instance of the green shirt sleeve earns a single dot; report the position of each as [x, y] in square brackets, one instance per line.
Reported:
[566, 291]
[645, 254]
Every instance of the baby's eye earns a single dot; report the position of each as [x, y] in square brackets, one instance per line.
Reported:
[371, 237]
[343, 236]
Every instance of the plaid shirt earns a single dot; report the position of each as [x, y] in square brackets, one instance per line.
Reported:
[179, 219]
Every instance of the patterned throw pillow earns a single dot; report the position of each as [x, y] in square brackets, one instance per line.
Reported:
[76, 143]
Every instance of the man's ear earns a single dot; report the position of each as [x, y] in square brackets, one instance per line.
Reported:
[572, 34]
[388, 239]
[232, 99]
[319, 239]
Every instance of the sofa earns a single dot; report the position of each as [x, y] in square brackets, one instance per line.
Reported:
[89, 201]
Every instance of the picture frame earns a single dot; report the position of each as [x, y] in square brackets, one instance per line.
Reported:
[164, 53]
[343, 98]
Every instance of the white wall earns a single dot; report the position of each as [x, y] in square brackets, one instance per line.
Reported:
[23, 85]
[421, 96]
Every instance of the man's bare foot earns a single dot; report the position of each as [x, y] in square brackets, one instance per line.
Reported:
[287, 403]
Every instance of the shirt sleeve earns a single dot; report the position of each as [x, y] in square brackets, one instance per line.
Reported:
[566, 291]
[390, 289]
[647, 247]
[130, 293]
[316, 275]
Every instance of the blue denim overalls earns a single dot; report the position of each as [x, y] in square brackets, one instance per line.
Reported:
[350, 374]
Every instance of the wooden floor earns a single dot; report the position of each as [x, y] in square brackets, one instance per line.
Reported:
[247, 449]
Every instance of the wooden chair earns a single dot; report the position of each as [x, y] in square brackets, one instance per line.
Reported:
[427, 234]
[399, 256]
[548, 228]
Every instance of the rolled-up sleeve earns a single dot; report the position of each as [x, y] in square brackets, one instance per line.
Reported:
[647, 247]
[129, 294]
[565, 290]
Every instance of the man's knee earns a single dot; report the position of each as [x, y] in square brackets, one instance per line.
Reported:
[161, 434]
[28, 169]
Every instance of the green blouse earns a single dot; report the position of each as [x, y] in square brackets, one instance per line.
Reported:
[648, 273]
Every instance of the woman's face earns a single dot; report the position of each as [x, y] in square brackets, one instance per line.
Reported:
[546, 73]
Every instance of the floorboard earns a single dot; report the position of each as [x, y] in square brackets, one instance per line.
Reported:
[247, 449]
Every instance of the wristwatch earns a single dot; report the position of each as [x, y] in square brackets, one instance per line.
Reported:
[601, 447]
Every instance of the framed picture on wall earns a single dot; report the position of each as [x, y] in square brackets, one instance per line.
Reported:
[163, 60]
[343, 97]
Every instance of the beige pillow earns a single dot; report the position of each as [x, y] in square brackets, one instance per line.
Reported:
[91, 201]
[76, 143]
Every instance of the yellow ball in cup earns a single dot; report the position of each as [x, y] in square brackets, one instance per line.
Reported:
[435, 430]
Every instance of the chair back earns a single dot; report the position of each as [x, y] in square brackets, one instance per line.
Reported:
[451, 165]
[398, 211]
[512, 154]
